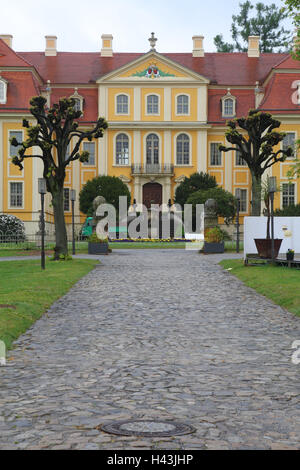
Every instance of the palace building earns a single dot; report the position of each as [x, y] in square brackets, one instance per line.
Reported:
[167, 115]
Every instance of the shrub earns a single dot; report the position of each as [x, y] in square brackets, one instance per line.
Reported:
[95, 239]
[192, 184]
[214, 235]
[11, 229]
[289, 211]
[226, 202]
[110, 187]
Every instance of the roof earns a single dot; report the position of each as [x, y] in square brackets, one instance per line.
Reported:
[22, 86]
[281, 94]
[228, 69]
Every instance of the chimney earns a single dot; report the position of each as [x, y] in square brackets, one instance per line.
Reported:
[7, 38]
[253, 46]
[51, 46]
[198, 50]
[107, 50]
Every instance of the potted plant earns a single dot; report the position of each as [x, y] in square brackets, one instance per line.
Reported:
[214, 240]
[264, 245]
[97, 246]
[290, 255]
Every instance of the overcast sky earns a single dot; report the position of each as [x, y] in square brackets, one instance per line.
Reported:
[78, 24]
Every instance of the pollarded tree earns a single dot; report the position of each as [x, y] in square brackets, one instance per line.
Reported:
[52, 133]
[256, 147]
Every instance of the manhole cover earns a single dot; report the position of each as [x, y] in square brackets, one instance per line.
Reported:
[147, 428]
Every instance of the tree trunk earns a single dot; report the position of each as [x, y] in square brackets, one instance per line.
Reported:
[256, 195]
[61, 239]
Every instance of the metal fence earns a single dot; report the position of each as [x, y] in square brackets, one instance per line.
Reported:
[32, 242]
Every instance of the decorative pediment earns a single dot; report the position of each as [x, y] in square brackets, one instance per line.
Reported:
[152, 67]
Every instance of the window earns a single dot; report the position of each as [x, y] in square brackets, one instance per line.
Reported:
[239, 161]
[289, 141]
[152, 104]
[243, 199]
[13, 151]
[3, 90]
[183, 150]
[182, 104]
[152, 149]
[288, 195]
[16, 195]
[228, 107]
[122, 104]
[66, 199]
[215, 155]
[90, 147]
[78, 104]
[122, 149]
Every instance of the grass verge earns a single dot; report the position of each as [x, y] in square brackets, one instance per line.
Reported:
[31, 291]
[277, 283]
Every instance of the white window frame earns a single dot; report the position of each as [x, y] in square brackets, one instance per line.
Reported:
[88, 162]
[128, 104]
[295, 147]
[146, 104]
[247, 199]
[190, 150]
[176, 102]
[3, 82]
[237, 156]
[295, 194]
[18, 208]
[115, 150]
[78, 97]
[229, 97]
[210, 146]
[159, 148]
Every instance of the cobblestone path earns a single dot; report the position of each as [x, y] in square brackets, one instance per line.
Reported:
[155, 334]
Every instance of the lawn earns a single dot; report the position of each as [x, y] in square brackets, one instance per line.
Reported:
[31, 291]
[278, 283]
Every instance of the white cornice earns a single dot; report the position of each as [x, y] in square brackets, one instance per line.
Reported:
[158, 125]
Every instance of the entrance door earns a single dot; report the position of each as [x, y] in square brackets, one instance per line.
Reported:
[152, 194]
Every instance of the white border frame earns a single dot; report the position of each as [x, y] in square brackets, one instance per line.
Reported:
[175, 150]
[290, 159]
[9, 158]
[2, 80]
[146, 105]
[86, 164]
[229, 97]
[176, 105]
[209, 155]
[145, 148]
[14, 208]
[247, 198]
[281, 194]
[116, 104]
[115, 150]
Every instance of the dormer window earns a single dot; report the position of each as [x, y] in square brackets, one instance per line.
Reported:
[3, 91]
[78, 106]
[228, 105]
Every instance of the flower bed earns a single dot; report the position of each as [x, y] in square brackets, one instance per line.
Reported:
[150, 240]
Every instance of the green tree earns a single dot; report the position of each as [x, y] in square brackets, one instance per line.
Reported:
[266, 23]
[52, 133]
[255, 145]
[226, 202]
[110, 187]
[292, 8]
[195, 182]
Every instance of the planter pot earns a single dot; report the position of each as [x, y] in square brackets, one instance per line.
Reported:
[213, 247]
[264, 247]
[97, 248]
[290, 256]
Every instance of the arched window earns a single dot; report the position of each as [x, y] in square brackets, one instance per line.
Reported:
[152, 104]
[152, 149]
[183, 150]
[122, 149]
[122, 104]
[182, 104]
[3, 88]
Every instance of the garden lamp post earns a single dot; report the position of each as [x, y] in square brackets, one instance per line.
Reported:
[272, 190]
[73, 199]
[42, 188]
[238, 197]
